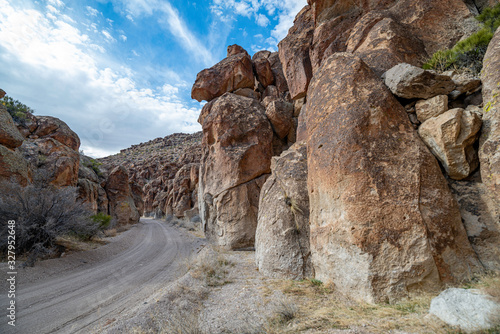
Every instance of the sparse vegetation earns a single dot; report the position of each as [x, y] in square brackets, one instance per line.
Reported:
[94, 165]
[102, 219]
[17, 110]
[42, 214]
[468, 53]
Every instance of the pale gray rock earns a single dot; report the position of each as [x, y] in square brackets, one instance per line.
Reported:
[411, 82]
[450, 137]
[468, 309]
[282, 237]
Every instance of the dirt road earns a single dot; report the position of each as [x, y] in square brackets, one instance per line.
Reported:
[84, 291]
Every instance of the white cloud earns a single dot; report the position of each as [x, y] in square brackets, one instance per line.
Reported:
[262, 20]
[57, 3]
[123, 38]
[108, 36]
[105, 106]
[92, 11]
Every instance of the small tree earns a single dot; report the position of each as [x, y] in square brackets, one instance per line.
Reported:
[42, 213]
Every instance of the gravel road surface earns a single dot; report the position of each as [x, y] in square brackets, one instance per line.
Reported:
[86, 290]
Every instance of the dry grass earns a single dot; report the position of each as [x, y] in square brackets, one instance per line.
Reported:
[211, 267]
[73, 244]
[110, 233]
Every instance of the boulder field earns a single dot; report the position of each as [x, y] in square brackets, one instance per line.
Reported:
[364, 169]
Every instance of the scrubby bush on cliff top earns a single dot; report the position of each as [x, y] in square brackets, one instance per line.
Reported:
[470, 52]
[42, 213]
[17, 110]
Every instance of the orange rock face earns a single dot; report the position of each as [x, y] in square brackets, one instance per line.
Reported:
[10, 136]
[237, 150]
[383, 220]
[121, 203]
[55, 128]
[294, 54]
[232, 73]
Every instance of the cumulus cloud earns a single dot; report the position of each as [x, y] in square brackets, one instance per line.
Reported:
[56, 73]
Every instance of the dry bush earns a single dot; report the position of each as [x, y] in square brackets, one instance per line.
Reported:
[210, 266]
[42, 213]
[111, 232]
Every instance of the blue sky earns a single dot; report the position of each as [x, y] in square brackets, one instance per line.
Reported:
[120, 72]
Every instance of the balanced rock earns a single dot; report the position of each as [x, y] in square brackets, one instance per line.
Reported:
[411, 82]
[450, 137]
[489, 145]
[383, 220]
[237, 150]
[433, 107]
[282, 237]
[10, 136]
[230, 74]
[294, 53]
[121, 203]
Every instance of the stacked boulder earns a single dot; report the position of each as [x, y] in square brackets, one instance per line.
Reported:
[248, 119]
[379, 219]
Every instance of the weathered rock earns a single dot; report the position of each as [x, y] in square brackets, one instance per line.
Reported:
[235, 49]
[121, 203]
[2, 93]
[264, 72]
[294, 53]
[51, 127]
[411, 82]
[58, 162]
[468, 309]
[489, 144]
[13, 167]
[88, 192]
[137, 194]
[237, 149]
[480, 215]
[230, 74]
[383, 220]
[280, 115]
[248, 92]
[282, 237]
[184, 184]
[383, 43]
[264, 54]
[433, 107]
[466, 83]
[9, 134]
[330, 37]
[279, 76]
[450, 137]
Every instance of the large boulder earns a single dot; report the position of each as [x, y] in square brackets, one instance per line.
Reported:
[88, 192]
[489, 145]
[264, 71]
[450, 137]
[232, 73]
[433, 107]
[237, 151]
[383, 43]
[294, 54]
[279, 76]
[51, 127]
[383, 220]
[57, 162]
[282, 237]
[470, 310]
[411, 82]
[280, 115]
[121, 204]
[10, 136]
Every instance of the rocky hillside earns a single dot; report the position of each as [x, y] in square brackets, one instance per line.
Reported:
[45, 148]
[164, 171]
[340, 158]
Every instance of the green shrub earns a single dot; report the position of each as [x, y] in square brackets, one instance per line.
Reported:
[102, 219]
[94, 165]
[470, 52]
[17, 110]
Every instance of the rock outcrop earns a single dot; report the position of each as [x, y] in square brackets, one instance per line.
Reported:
[489, 147]
[237, 150]
[450, 137]
[10, 137]
[121, 203]
[282, 237]
[383, 220]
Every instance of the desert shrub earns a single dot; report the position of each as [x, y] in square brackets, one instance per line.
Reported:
[102, 219]
[468, 53]
[42, 213]
[17, 110]
[94, 165]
